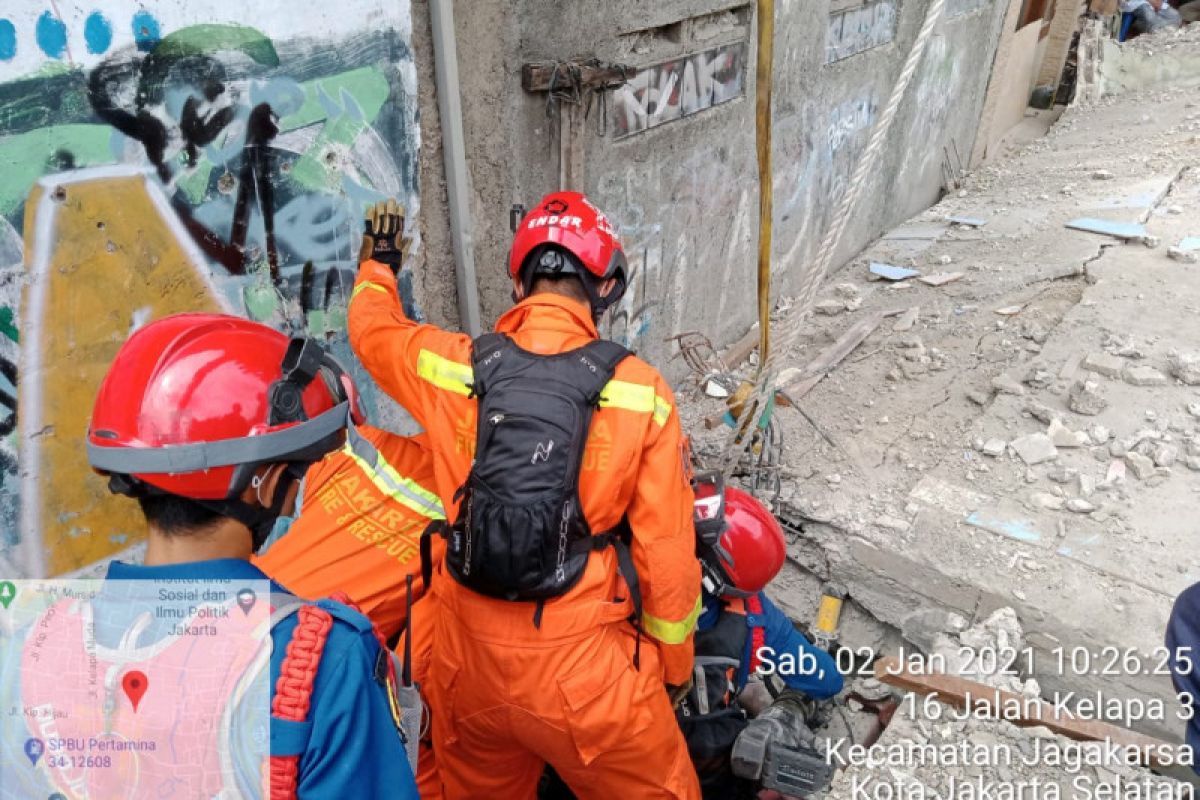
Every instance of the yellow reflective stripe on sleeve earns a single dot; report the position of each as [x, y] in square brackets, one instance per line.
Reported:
[404, 491]
[444, 373]
[662, 411]
[635, 397]
[366, 285]
[672, 632]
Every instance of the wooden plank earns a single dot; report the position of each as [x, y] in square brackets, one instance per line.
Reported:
[740, 350]
[819, 367]
[536, 76]
[982, 700]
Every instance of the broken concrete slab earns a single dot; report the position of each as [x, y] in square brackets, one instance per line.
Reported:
[1144, 375]
[1034, 449]
[940, 278]
[907, 320]
[994, 447]
[1042, 412]
[1085, 398]
[1183, 256]
[970, 222]
[1128, 231]
[1104, 364]
[891, 272]
[1013, 522]
[1141, 466]
[952, 498]
[1062, 436]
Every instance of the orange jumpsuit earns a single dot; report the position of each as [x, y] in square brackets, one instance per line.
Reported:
[361, 515]
[508, 696]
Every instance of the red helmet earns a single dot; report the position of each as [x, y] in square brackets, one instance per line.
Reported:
[750, 549]
[566, 221]
[194, 403]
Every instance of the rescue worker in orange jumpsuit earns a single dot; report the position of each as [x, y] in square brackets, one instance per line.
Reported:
[565, 680]
[359, 517]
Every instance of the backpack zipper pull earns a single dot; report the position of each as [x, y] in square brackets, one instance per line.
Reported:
[497, 419]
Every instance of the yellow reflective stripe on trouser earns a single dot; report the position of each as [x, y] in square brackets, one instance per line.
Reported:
[635, 397]
[672, 632]
[366, 285]
[444, 373]
[404, 491]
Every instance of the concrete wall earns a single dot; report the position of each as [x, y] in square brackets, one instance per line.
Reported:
[200, 155]
[676, 166]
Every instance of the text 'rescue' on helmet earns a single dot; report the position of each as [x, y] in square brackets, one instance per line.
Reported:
[739, 542]
[566, 235]
[193, 404]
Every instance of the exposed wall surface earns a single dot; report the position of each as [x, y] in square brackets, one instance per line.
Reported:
[196, 155]
[676, 170]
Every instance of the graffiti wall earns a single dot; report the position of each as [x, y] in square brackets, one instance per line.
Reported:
[860, 29]
[165, 158]
[679, 88]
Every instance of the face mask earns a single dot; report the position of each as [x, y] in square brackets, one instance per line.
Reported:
[277, 531]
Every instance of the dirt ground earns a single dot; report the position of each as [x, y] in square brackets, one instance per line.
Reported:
[1028, 433]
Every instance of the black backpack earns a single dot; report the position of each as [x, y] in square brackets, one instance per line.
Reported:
[520, 532]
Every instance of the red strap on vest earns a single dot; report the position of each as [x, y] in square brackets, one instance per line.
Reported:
[293, 691]
[758, 633]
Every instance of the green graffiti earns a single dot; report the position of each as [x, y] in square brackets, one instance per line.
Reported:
[7, 324]
[204, 39]
[26, 157]
[369, 89]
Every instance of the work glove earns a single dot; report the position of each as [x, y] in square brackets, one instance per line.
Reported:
[383, 235]
[678, 693]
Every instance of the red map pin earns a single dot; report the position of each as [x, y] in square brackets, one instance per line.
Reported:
[135, 684]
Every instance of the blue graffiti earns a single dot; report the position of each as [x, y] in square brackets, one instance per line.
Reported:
[8, 40]
[146, 32]
[51, 35]
[98, 33]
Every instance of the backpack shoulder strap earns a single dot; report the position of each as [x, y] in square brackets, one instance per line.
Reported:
[601, 358]
[484, 360]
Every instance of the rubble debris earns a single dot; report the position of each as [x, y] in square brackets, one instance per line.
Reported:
[1115, 474]
[1041, 412]
[1006, 385]
[890, 272]
[978, 397]
[945, 261]
[1034, 449]
[1008, 311]
[1183, 256]
[1078, 505]
[1144, 375]
[907, 320]
[940, 278]
[994, 447]
[1185, 367]
[1062, 436]
[1062, 474]
[970, 222]
[1128, 231]
[1103, 175]
[1085, 399]
[1104, 364]
[829, 307]
[1099, 434]
[831, 356]
[1141, 466]
[1164, 455]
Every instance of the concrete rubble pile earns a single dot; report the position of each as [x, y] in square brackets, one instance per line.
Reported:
[1028, 434]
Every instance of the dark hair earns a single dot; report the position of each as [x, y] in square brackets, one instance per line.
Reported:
[566, 285]
[176, 516]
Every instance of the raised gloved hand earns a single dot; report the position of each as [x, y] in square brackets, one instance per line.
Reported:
[677, 693]
[383, 234]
